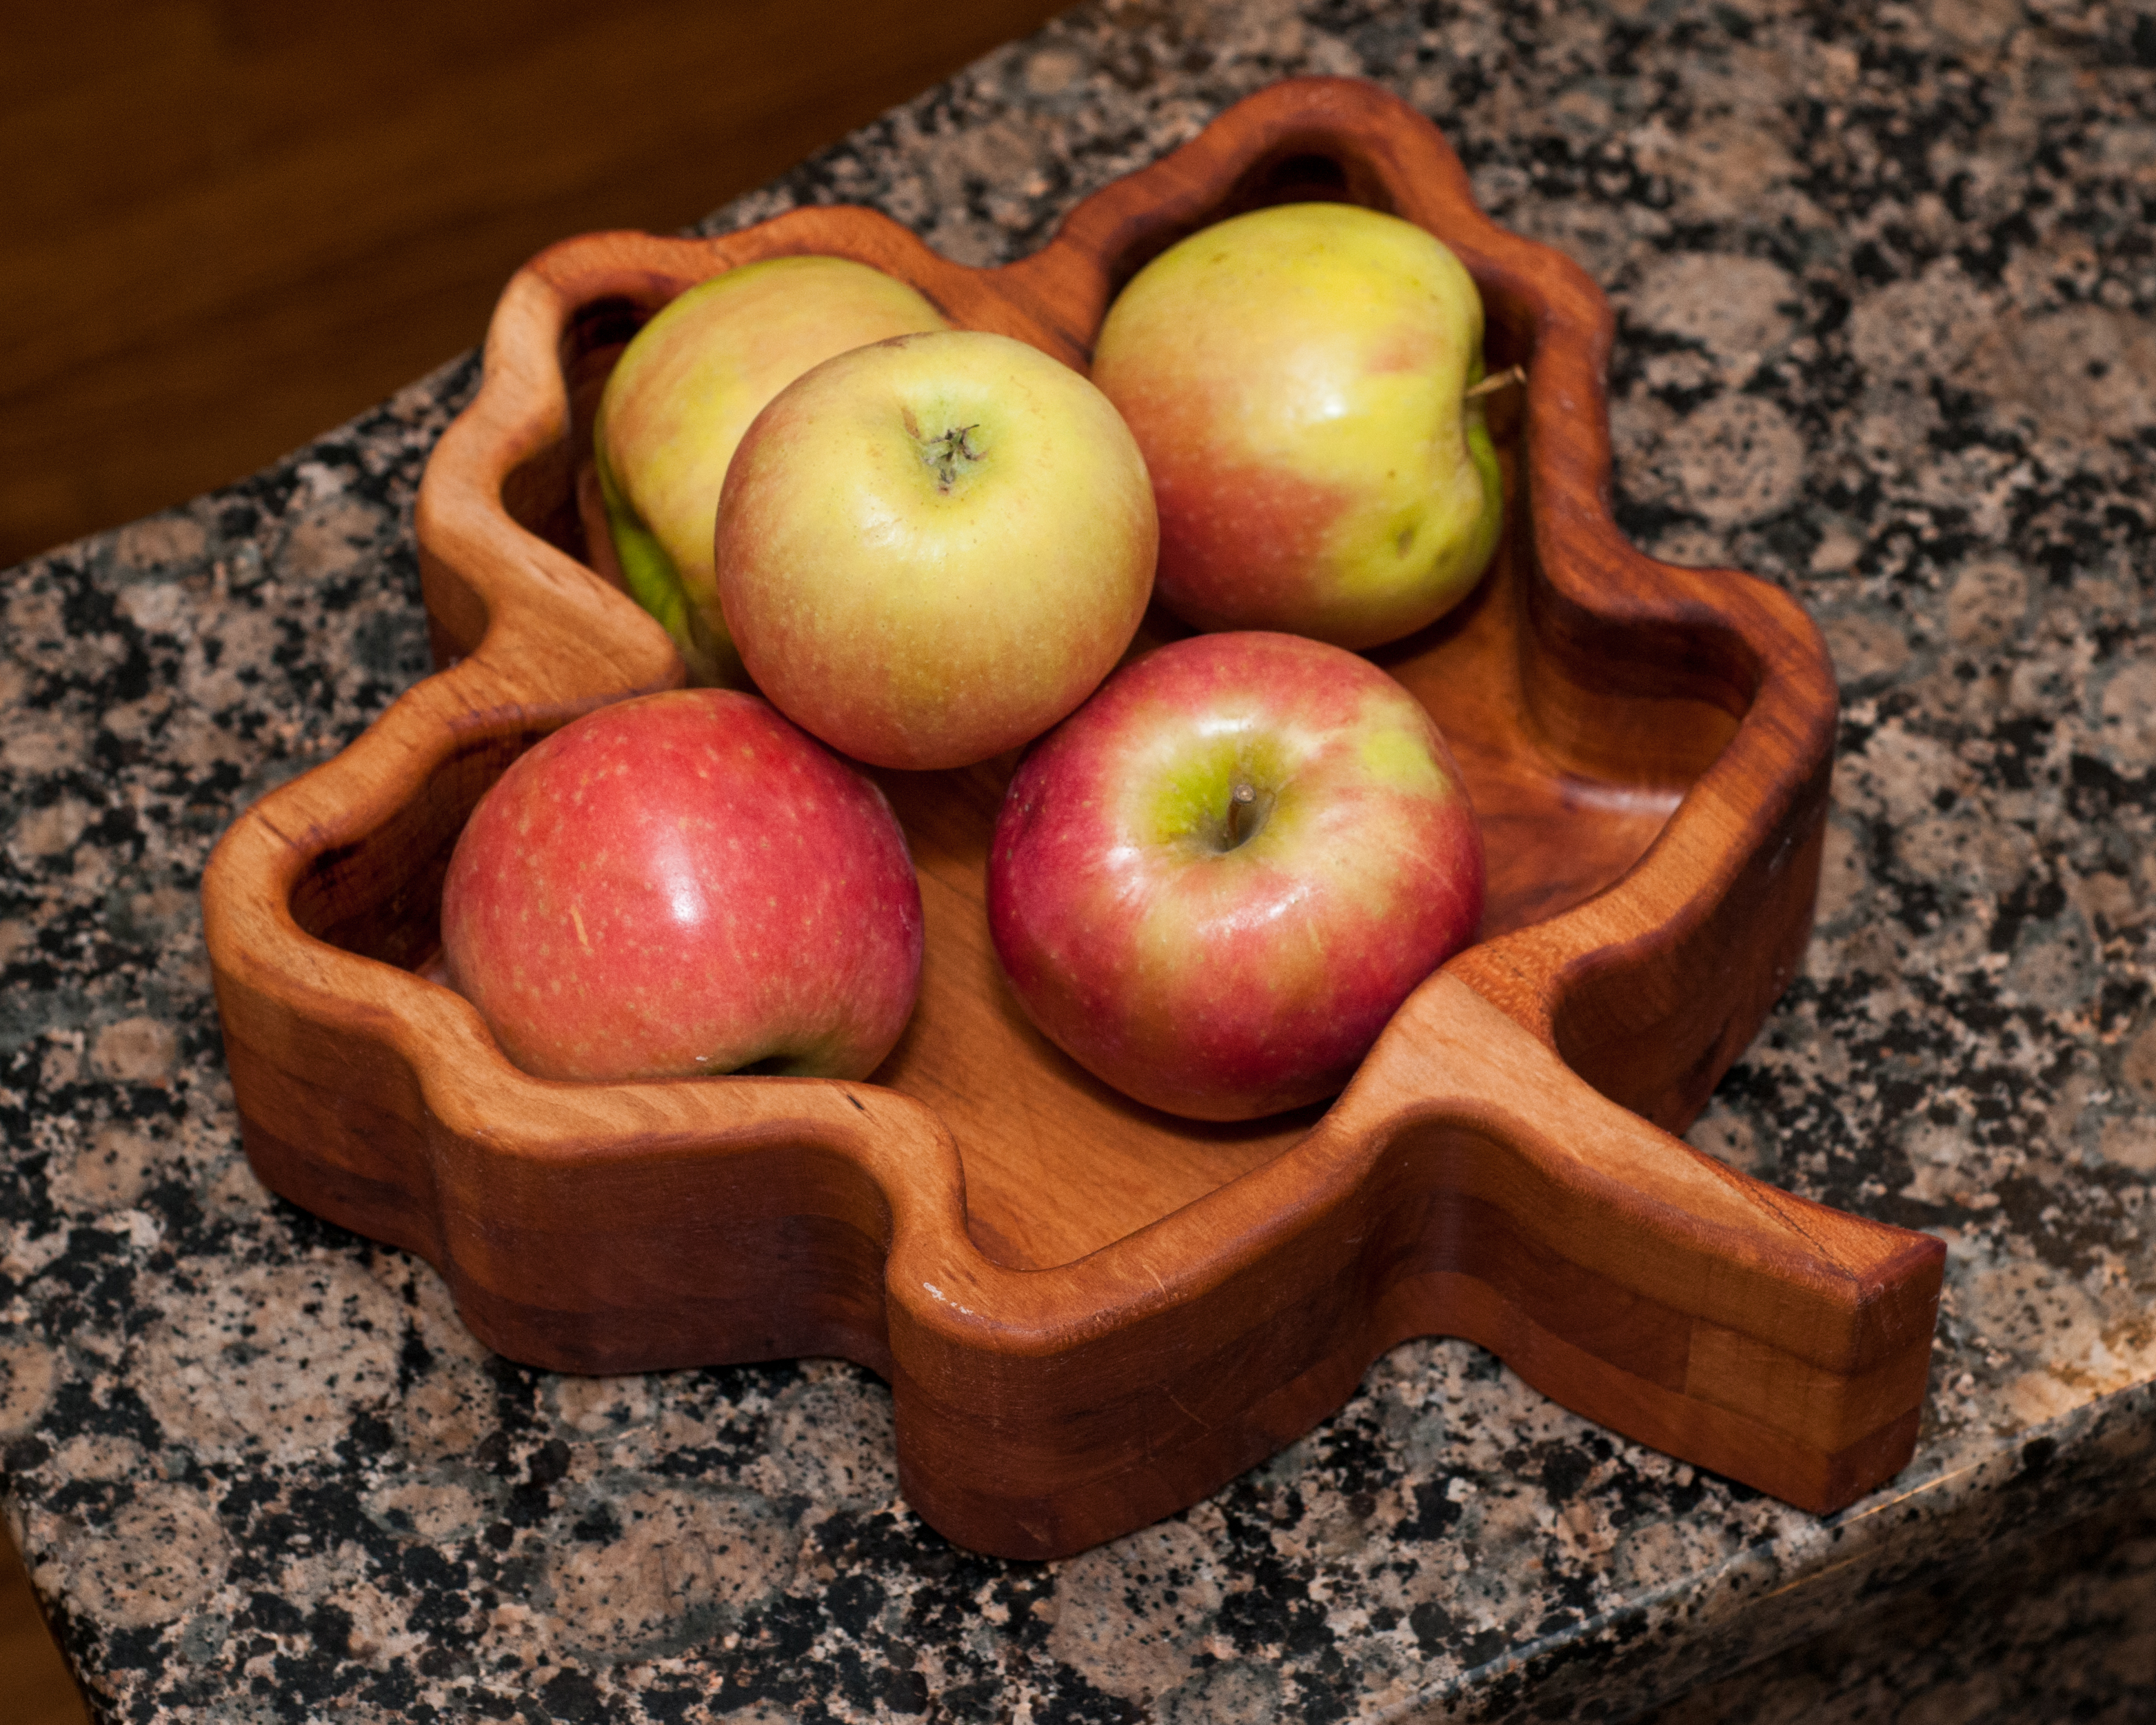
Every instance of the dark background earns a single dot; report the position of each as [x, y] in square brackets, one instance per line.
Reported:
[230, 225]
[227, 226]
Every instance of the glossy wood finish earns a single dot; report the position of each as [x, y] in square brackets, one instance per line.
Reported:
[1090, 1314]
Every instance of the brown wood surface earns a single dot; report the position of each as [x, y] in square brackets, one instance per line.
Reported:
[1092, 1314]
[34, 1680]
[231, 224]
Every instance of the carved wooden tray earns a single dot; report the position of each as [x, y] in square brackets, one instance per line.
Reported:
[1092, 1314]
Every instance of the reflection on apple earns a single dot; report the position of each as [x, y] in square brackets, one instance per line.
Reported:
[680, 398]
[685, 885]
[931, 550]
[1215, 884]
[1296, 377]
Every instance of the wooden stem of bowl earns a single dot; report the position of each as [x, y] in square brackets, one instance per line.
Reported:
[1499, 1169]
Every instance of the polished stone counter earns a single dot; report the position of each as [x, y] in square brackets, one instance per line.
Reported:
[1888, 338]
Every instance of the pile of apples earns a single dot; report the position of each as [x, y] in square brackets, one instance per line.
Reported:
[1218, 870]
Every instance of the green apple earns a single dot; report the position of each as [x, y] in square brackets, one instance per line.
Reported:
[1297, 378]
[682, 393]
[931, 550]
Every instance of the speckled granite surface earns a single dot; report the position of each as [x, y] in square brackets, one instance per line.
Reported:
[1889, 338]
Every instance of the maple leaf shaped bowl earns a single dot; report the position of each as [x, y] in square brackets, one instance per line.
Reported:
[1092, 1314]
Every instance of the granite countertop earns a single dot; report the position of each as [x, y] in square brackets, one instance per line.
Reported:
[1888, 338]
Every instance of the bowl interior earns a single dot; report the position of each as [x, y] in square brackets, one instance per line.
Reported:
[1056, 1164]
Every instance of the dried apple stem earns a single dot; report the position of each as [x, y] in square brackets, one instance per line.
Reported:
[1496, 381]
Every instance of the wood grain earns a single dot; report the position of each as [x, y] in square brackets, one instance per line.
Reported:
[234, 225]
[1090, 1314]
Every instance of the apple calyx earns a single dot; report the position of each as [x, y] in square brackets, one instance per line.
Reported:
[950, 457]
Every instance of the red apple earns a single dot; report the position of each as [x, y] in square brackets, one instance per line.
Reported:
[1215, 883]
[1296, 377]
[932, 549]
[684, 884]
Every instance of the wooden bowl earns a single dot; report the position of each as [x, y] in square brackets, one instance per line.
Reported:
[1090, 1314]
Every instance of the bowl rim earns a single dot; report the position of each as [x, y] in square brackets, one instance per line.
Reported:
[1840, 1302]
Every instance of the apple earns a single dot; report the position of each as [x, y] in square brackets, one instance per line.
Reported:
[932, 549]
[1215, 882]
[680, 398]
[1296, 377]
[684, 884]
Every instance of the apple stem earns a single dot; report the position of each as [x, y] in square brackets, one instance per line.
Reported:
[1244, 818]
[1502, 380]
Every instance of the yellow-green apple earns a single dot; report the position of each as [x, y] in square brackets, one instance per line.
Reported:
[680, 398]
[931, 550]
[1296, 377]
[680, 885]
[1213, 884]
